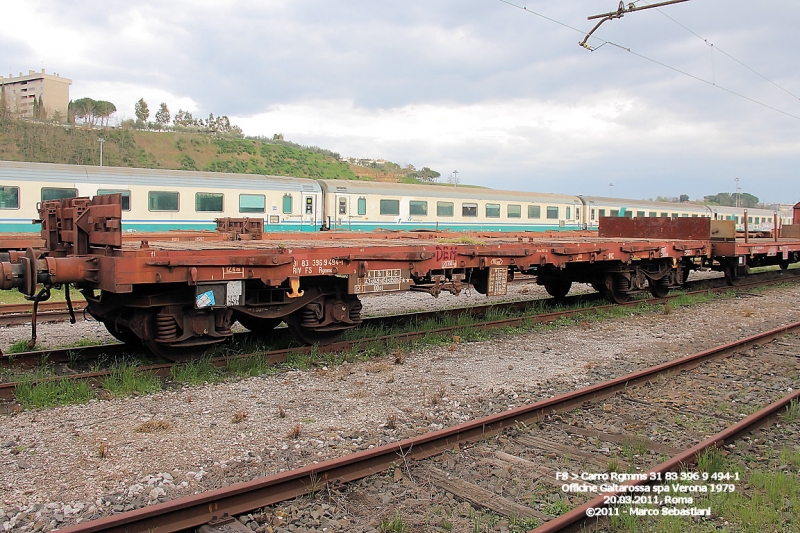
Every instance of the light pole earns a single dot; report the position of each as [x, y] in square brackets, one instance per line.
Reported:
[455, 178]
[611, 190]
[737, 191]
[101, 141]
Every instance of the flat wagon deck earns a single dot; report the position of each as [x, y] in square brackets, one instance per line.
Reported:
[178, 296]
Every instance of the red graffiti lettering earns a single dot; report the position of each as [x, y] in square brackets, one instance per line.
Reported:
[446, 253]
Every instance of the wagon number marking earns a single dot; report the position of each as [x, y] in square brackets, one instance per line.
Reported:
[310, 267]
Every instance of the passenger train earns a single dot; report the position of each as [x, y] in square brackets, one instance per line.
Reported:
[160, 200]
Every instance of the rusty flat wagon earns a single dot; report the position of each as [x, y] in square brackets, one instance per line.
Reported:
[178, 296]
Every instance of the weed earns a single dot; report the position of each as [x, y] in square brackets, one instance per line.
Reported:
[18, 347]
[308, 420]
[613, 464]
[196, 372]
[53, 392]
[238, 417]
[295, 432]
[102, 450]
[153, 426]
[711, 460]
[391, 421]
[126, 380]
[437, 396]
[635, 446]
[252, 366]
[556, 508]
[281, 412]
[792, 413]
[394, 524]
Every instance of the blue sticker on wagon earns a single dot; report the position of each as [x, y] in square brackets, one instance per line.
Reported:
[205, 299]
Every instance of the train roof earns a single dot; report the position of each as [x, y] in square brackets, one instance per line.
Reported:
[724, 209]
[626, 202]
[441, 191]
[50, 172]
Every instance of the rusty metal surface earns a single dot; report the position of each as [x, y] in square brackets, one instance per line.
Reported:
[660, 228]
[196, 510]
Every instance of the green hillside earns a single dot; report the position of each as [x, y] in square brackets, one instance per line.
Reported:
[45, 143]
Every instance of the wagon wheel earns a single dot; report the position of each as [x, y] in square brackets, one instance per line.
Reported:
[558, 288]
[660, 287]
[177, 354]
[309, 335]
[122, 334]
[732, 275]
[784, 265]
[615, 288]
[258, 326]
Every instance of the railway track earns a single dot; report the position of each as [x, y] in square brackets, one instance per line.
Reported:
[64, 359]
[478, 461]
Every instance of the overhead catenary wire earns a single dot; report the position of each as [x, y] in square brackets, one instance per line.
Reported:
[723, 52]
[675, 69]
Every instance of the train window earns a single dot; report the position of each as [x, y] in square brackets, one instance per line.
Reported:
[208, 201]
[674, 215]
[469, 210]
[126, 196]
[287, 204]
[343, 205]
[758, 221]
[640, 214]
[514, 211]
[664, 214]
[592, 214]
[749, 220]
[602, 213]
[492, 210]
[615, 212]
[578, 213]
[58, 193]
[534, 211]
[552, 212]
[390, 207]
[163, 201]
[9, 197]
[694, 215]
[444, 209]
[653, 214]
[628, 214]
[252, 203]
[569, 213]
[362, 206]
[418, 207]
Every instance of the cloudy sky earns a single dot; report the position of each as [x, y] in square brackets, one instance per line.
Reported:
[486, 87]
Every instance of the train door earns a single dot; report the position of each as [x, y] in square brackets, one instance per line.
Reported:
[341, 206]
[310, 218]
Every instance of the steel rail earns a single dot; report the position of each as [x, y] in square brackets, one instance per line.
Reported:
[20, 314]
[193, 511]
[7, 390]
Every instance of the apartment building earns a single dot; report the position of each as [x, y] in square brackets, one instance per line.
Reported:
[21, 91]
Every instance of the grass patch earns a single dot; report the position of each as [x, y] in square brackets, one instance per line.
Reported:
[52, 393]
[256, 365]
[127, 380]
[395, 524]
[18, 347]
[196, 373]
